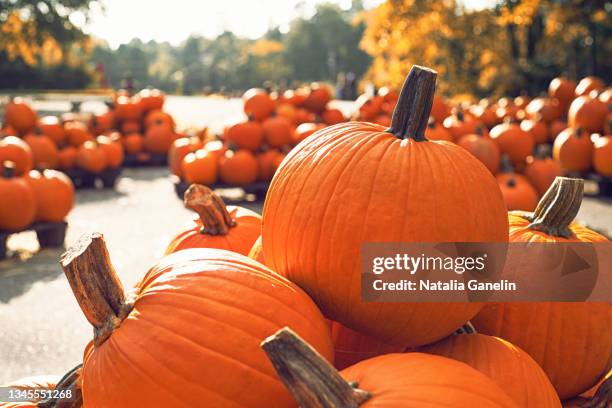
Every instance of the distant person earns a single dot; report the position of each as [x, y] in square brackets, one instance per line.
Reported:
[351, 86]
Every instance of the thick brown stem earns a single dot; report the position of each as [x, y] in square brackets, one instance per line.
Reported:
[71, 385]
[215, 218]
[413, 107]
[558, 207]
[603, 396]
[96, 285]
[313, 382]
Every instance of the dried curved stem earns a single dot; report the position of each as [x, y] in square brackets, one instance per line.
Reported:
[215, 218]
[313, 382]
[413, 107]
[96, 285]
[467, 328]
[71, 381]
[558, 207]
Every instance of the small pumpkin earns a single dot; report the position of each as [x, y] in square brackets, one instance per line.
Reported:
[158, 138]
[77, 133]
[130, 126]
[513, 141]
[133, 143]
[52, 128]
[233, 228]
[18, 204]
[440, 110]
[332, 116]
[574, 150]
[563, 89]
[556, 127]
[277, 131]
[19, 115]
[246, 135]
[238, 168]
[54, 194]
[91, 157]
[113, 150]
[460, 125]
[15, 150]
[602, 155]
[156, 116]
[588, 84]
[151, 99]
[483, 148]
[44, 150]
[545, 109]
[180, 148]
[257, 104]
[588, 113]
[304, 130]
[127, 108]
[518, 193]
[266, 164]
[98, 124]
[67, 157]
[537, 129]
[318, 97]
[435, 131]
[541, 171]
[200, 167]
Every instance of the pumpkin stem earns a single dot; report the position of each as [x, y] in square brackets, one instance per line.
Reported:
[558, 207]
[70, 381]
[413, 107]
[8, 169]
[313, 382]
[602, 397]
[215, 218]
[96, 285]
[467, 328]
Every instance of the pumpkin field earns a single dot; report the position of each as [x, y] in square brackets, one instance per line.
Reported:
[166, 244]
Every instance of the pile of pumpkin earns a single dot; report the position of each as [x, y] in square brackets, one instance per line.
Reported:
[515, 138]
[209, 326]
[251, 150]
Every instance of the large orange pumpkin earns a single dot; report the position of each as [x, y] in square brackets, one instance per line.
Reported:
[358, 182]
[15, 150]
[44, 150]
[575, 359]
[563, 89]
[574, 150]
[91, 157]
[513, 370]
[483, 148]
[602, 155]
[200, 166]
[513, 141]
[52, 127]
[388, 381]
[541, 171]
[196, 320]
[518, 193]
[217, 226]
[277, 131]
[257, 104]
[18, 203]
[588, 113]
[238, 168]
[246, 135]
[180, 148]
[54, 194]
[19, 115]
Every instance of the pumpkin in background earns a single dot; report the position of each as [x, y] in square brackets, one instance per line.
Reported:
[257, 252]
[483, 148]
[303, 116]
[277, 131]
[42, 382]
[91, 157]
[151, 99]
[440, 109]
[233, 228]
[158, 138]
[15, 150]
[70, 384]
[257, 104]
[541, 171]
[485, 113]
[44, 150]
[518, 193]
[77, 133]
[588, 84]
[133, 143]
[537, 129]
[545, 109]
[180, 148]
[19, 115]
[203, 313]
[99, 124]
[556, 127]
[606, 96]
[318, 212]
[459, 125]
[216, 148]
[388, 381]
[563, 89]
[574, 150]
[295, 97]
[130, 126]
[238, 168]
[246, 135]
[18, 204]
[588, 113]
[318, 97]
[575, 359]
[54, 194]
[513, 370]
[602, 155]
[51, 127]
[512, 141]
[200, 167]
[304, 130]
[156, 116]
[436, 131]
[113, 150]
[127, 108]
[351, 347]
[266, 164]
[287, 111]
[67, 157]
[369, 106]
[332, 116]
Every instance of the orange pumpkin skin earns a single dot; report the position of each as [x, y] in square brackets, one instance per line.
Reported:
[257, 252]
[223, 305]
[67, 157]
[518, 193]
[133, 143]
[459, 125]
[348, 158]
[16, 150]
[156, 116]
[238, 168]
[113, 151]
[369, 106]
[18, 203]
[266, 164]
[54, 194]
[77, 133]
[513, 141]
[246, 135]
[127, 108]
[588, 84]
[158, 138]
[587, 113]
[200, 167]
[536, 129]
[257, 104]
[574, 150]
[277, 131]
[44, 150]
[151, 99]
[602, 155]
[351, 347]
[435, 131]
[317, 99]
[180, 148]
[19, 115]
[304, 130]
[418, 379]
[545, 108]
[52, 127]
[541, 172]
[130, 126]
[484, 149]
[91, 157]
[513, 370]
[332, 116]
[440, 109]
[563, 89]
[555, 128]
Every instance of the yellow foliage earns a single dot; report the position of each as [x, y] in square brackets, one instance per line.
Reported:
[264, 47]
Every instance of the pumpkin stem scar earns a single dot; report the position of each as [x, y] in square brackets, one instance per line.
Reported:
[313, 382]
[96, 286]
[413, 107]
[558, 207]
[602, 397]
[8, 169]
[215, 218]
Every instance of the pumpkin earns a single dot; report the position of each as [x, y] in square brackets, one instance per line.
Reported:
[238, 168]
[545, 109]
[277, 131]
[54, 194]
[606, 96]
[588, 113]
[388, 381]
[287, 111]
[44, 150]
[216, 148]
[18, 204]
[440, 109]
[351, 347]
[51, 127]
[19, 115]
[536, 129]
[151, 99]
[513, 370]
[574, 150]
[556, 127]
[256, 251]
[459, 125]
[113, 150]
[563, 89]
[521, 102]
[518, 193]
[91, 157]
[332, 116]
[383, 120]
[266, 164]
[127, 108]
[435, 131]
[158, 138]
[99, 124]
[246, 135]
[133, 143]
[541, 171]
[200, 167]
[232, 228]
[295, 97]
[77, 133]
[156, 116]
[303, 116]
[15, 150]
[317, 98]
[130, 126]
[39, 382]
[257, 104]
[304, 130]
[67, 158]
[575, 359]
[369, 106]
[602, 155]
[588, 84]
[180, 148]
[512, 141]
[486, 114]
[313, 235]
[483, 148]
[201, 313]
